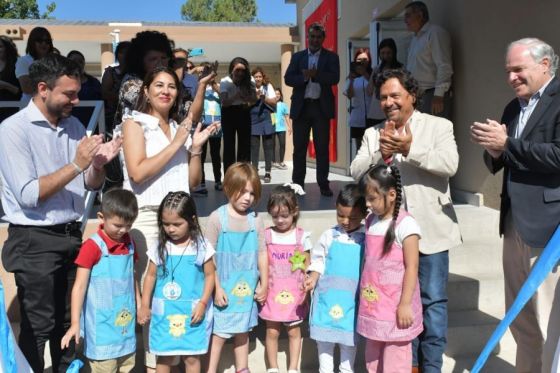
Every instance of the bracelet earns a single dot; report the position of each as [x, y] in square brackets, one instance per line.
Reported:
[203, 302]
[76, 167]
[194, 153]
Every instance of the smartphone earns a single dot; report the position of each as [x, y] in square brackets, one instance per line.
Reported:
[208, 69]
[195, 52]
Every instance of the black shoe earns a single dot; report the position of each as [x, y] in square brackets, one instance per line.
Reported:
[218, 186]
[327, 192]
[267, 178]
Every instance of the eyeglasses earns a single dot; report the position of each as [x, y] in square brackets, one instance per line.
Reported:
[190, 67]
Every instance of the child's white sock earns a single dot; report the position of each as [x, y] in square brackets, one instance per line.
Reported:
[272, 370]
[293, 371]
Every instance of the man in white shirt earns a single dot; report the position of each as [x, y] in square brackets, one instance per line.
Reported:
[429, 60]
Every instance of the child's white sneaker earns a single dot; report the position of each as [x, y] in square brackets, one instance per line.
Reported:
[272, 370]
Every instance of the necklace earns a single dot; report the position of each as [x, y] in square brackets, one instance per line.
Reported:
[172, 290]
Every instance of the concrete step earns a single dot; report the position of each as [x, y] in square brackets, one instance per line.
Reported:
[477, 222]
[468, 331]
[503, 362]
[476, 257]
[483, 292]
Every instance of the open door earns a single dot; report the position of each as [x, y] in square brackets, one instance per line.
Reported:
[393, 28]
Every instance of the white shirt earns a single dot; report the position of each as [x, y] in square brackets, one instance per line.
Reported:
[174, 176]
[290, 237]
[321, 249]
[31, 147]
[228, 87]
[173, 249]
[429, 59]
[22, 69]
[360, 102]
[407, 227]
[527, 108]
[313, 89]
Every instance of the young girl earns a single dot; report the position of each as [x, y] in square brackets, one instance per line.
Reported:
[237, 232]
[288, 255]
[334, 273]
[390, 312]
[281, 121]
[181, 277]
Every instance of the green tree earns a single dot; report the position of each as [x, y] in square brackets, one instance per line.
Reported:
[219, 10]
[22, 9]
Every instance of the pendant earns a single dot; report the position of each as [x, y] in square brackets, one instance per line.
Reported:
[171, 291]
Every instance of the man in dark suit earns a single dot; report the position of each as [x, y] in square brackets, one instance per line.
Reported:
[312, 73]
[527, 147]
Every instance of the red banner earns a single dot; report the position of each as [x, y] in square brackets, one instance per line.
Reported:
[326, 15]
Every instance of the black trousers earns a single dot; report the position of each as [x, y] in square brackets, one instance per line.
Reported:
[236, 123]
[42, 261]
[311, 118]
[281, 136]
[215, 145]
[267, 141]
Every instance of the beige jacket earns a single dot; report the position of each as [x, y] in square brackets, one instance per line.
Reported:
[425, 174]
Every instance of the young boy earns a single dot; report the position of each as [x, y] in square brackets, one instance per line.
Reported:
[106, 317]
[334, 273]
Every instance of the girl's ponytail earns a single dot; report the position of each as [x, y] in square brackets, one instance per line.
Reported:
[390, 235]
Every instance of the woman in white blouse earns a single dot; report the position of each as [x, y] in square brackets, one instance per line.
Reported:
[160, 155]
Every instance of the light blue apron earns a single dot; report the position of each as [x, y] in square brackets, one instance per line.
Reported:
[171, 332]
[333, 312]
[236, 266]
[109, 313]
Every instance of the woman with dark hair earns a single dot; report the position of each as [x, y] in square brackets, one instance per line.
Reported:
[261, 122]
[148, 50]
[237, 94]
[387, 52]
[111, 84]
[90, 89]
[159, 154]
[9, 85]
[39, 44]
[356, 90]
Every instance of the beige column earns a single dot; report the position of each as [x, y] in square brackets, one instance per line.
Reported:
[107, 56]
[286, 52]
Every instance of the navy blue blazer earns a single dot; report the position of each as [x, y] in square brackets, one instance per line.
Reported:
[531, 163]
[328, 74]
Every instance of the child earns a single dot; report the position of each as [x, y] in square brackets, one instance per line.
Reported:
[288, 255]
[103, 305]
[280, 121]
[212, 113]
[334, 273]
[180, 276]
[390, 312]
[241, 262]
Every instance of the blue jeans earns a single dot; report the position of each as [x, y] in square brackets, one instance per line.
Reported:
[428, 347]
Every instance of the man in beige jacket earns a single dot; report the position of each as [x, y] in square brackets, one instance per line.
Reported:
[424, 149]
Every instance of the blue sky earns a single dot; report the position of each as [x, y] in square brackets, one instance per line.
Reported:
[269, 11]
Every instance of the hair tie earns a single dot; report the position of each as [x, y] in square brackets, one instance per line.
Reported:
[296, 188]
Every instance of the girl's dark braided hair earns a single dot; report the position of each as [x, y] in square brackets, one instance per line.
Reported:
[183, 204]
[387, 178]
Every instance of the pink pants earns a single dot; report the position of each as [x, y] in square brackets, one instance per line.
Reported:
[388, 357]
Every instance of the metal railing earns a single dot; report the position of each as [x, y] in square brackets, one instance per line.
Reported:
[96, 120]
